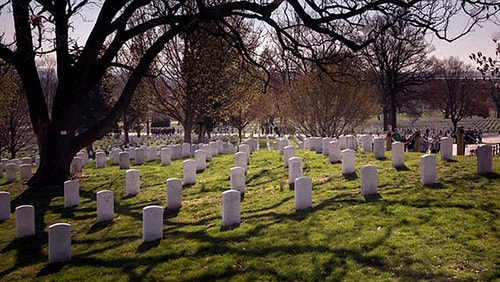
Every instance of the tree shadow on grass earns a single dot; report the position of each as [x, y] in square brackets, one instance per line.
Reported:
[98, 226]
[51, 269]
[30, 249]
[372, 197]
[402, 168]
[230, 227]
[171, 213]
[350, 176]
[435, 186]
[146, 246]
[491, 176]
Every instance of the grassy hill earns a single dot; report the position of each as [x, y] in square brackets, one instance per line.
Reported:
[450, 231]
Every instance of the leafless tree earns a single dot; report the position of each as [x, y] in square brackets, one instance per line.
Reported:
[398, 63]
[43, 27]
[456, 94]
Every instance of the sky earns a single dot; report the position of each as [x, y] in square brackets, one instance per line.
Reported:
[480, 39]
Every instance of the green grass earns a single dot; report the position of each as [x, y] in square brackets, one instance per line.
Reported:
[450, 231]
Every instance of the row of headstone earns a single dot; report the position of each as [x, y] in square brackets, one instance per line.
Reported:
[13, 167]
[321, 144]
[59, 234]
[167, 153]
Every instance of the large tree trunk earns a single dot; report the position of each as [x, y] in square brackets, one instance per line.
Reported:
[240, 133]
[56, 154]
[126, 137]
[188, 128]
[385, 114]
[394, 112]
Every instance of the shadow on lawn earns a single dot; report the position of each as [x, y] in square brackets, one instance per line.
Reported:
[340, 258]
[30, 249]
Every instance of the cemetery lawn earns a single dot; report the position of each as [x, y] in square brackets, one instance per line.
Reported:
[447, 232]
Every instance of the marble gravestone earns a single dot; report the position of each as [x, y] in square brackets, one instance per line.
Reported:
[303, 193]
[152, 223]
[59, 242]
[105, 206]
[369, 180]
[174, 193]
[231, 208]
[25, 221]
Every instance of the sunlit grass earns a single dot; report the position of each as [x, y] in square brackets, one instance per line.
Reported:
[450, 231]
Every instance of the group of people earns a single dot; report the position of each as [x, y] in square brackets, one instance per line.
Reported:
[430, 142]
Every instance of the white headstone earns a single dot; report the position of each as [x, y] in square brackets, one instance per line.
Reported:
[124, 159]
[15, 161]
[228, 148]
[318, 145]
[131, 153]
[245, 148]
[84, 156]
[139, 156]
[220, 146]
[237, 179]
[241, 160]
[379, 148]
[428, 169]
[100, 159]
[132, 182]
[25, 221]
[348, 161]
[194, 147]
[484, 159]
[352, 143]
[214, 148]
[59, 242]
[76, 165]
[303, 193]
[369, 180]
[27, 160]
[446, 149]
[366, 143]
[177, 151]
[208, 151]
[326, 145]
[25, 171]
[153, 153]
[11, 172]
[186, 150]
[295, 169]
[71, 193]
[398, 154]
[288, 152]
[343, 142]
[231, 208]
[308, 143]
[105, 206]
[334, 151]
[201, 160]
[152, 223]
[189, 172]
[282, 143]
[166, 156]
[4, 205]
[2, 168]
[114, 155]
[174, 193]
